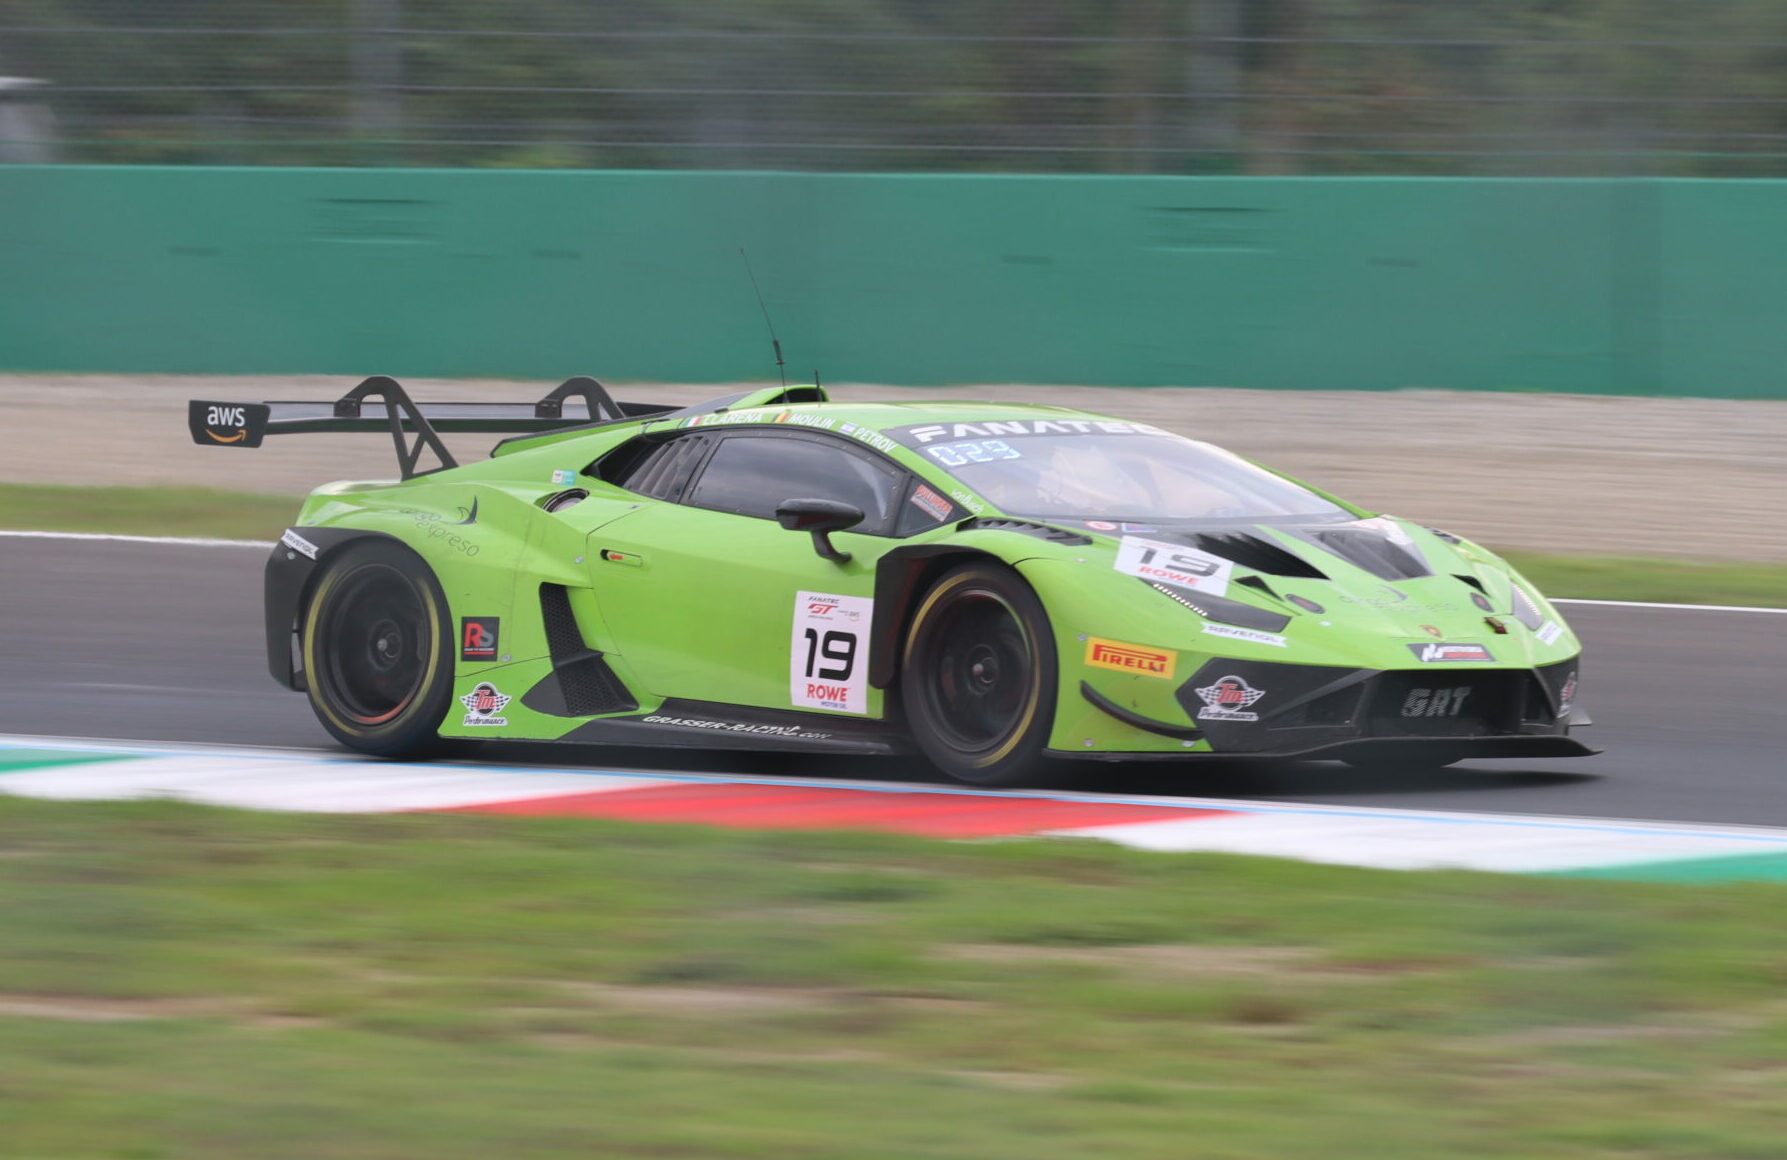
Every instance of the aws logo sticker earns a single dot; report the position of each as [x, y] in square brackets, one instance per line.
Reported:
[227, 424]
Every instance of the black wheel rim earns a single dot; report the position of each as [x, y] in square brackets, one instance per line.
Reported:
[980, 673]
[375, 642]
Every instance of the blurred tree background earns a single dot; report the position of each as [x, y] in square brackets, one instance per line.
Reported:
[1515, 87]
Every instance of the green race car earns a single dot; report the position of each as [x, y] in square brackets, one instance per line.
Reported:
[997, 586]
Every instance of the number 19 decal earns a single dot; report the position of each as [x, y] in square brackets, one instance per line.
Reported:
[828, 654]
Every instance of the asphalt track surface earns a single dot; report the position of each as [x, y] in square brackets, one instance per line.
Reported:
[162, 642]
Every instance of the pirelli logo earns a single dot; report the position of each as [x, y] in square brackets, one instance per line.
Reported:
[1129, 658]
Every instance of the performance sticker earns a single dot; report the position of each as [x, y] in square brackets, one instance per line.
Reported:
[1567, 695]
[298, 543]
[930, 503]
[483, 706]
[478, 637]
[1549, 632]
[561, 477]
[1246, 634]
[800, 731]
[828, 654]
[1174, 564]
[1228, 700]
[1130, 658]
[1440, 653]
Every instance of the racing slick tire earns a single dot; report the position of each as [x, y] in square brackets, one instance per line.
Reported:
[374, 641]
[978, 678]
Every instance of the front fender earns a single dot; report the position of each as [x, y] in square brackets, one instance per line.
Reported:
[288, 575]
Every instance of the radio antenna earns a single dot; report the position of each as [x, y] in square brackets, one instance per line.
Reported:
[773, 340]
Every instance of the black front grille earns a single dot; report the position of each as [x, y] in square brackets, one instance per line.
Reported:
[1448, 703]
[1304, 706]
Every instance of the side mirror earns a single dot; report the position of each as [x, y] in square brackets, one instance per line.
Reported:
[820, 517]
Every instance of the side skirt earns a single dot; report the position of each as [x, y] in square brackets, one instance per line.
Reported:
[680, 724]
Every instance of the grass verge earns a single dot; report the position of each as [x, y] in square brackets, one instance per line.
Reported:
[235, 515]
[205, 984]
[146, 511]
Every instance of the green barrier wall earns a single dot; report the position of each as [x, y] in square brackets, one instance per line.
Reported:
[1618, 286]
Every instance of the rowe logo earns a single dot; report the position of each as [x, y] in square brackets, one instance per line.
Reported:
[1439, 653]
[1130, 658]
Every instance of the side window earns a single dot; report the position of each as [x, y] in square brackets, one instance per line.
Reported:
[924, 509]
[658, 469]
[751, 474]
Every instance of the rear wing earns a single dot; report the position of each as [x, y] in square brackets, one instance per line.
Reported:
[576, 402]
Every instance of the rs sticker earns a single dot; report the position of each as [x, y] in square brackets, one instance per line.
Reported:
[828, 654]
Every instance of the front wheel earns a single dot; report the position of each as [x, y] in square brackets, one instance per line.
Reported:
[978, 677]
[379, 674]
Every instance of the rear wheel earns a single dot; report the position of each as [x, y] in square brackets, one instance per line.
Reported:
[978, 678]
[379, 674]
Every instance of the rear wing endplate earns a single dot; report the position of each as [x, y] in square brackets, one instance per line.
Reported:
[578, 401]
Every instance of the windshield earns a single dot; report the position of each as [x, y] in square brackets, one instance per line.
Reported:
[1125, 477]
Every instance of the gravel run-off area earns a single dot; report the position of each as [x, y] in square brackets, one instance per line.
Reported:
[1579, 474]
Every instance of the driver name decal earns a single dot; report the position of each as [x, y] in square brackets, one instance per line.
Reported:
[828, 653]
[1174, 564]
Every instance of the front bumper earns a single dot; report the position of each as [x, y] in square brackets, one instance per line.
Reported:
[1268, 709]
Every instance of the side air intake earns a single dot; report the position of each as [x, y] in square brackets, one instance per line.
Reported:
[581, 683]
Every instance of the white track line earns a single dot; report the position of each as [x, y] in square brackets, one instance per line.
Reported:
[1681, 607]
[190, 541]
[202, 542]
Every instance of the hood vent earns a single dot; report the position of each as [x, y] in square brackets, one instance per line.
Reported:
[1372, 551]
[1251, 551]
